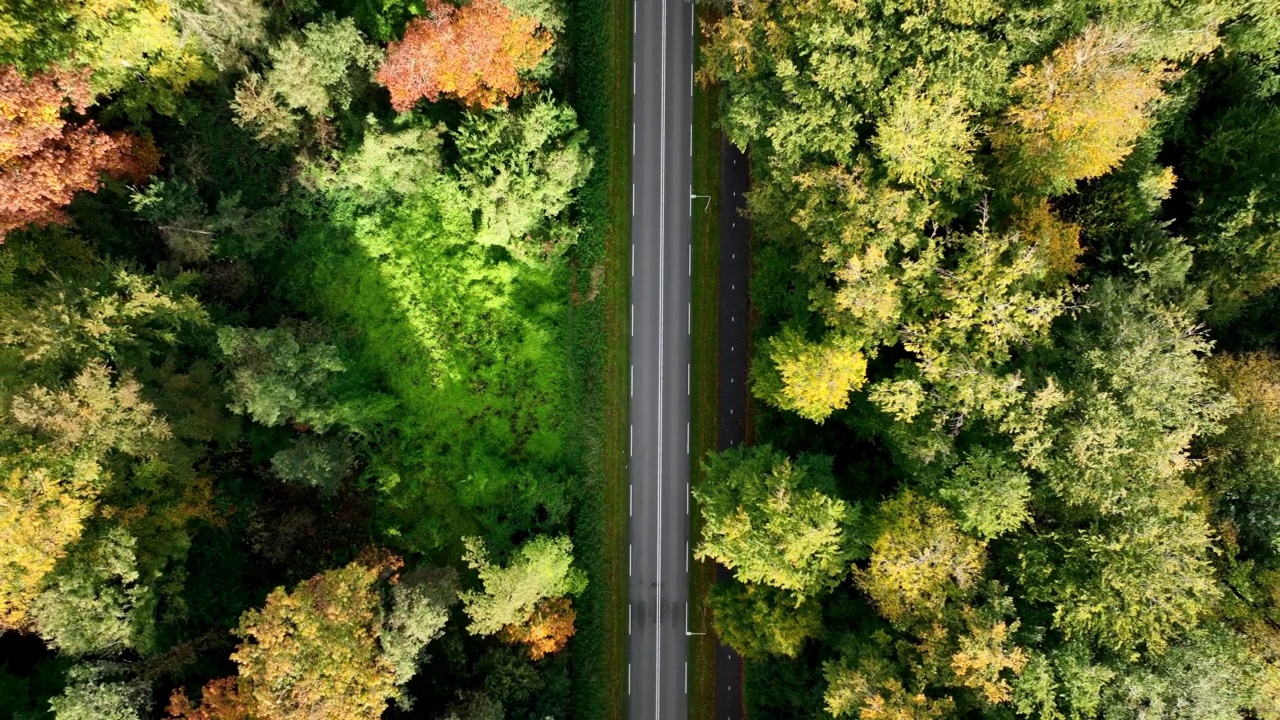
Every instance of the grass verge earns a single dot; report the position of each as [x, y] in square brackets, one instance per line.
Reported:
[601, 54]
[706, 337]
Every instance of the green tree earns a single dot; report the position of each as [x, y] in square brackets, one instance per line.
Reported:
[1242, 463]
[420, 604]
[284, 375]
[1130, 582]
[1136, 394]
[1066, 682]
[321, 462]
[988, 493]
[757, 620]
[926, 138]
[774, 521]
[387, 165]
[540, 568]
[313, 74]
[1233, 179]
[96, 691]
[919, 560]
[1210, 676]
[518, 171]
[230, 31]
[95, 602]
[114, 313]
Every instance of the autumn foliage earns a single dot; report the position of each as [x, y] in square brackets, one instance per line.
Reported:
[1079, 112]
[474, 53]
[44, 160]
[548, 629]
[220, 700]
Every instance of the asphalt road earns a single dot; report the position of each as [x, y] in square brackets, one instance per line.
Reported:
[661, 171]
[731, 430]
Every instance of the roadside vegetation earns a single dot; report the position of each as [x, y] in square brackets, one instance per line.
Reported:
[300, 360]
[1015, 265]
[705, 368]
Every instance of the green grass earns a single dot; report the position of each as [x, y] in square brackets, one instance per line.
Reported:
[600, 34]
[706, 300]
[472, 351]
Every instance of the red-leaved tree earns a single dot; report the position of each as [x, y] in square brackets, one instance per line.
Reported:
[474, 53]
[44, 160]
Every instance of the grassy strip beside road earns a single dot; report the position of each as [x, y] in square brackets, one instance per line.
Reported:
[706, 302]
[601, 33]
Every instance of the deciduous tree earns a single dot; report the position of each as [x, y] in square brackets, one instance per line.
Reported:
[774, 521]
[283, 375]
[1125, 583]
[871, 689]
[539, 569]
[919, 560]
[1078, 113]
[313, 651]
[420, 604]
[989, 494]
[500, 45]
[757, 620]
[99, 691]
[547, 630]
[519, 171]
[45, 160]
[811, 379]
[96, 602]
[115, 314]
[46, 502]
[312, 75]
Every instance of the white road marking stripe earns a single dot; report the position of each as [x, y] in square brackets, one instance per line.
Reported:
[662, 234]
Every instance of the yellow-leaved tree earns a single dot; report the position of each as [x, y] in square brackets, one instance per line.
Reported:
[811, 379]
[1077, 114]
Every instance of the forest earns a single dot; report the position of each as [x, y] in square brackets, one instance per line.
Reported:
[1015, 362]
[298, 309]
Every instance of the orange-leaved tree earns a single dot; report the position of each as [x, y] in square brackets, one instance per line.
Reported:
[475, 53]
[44, 160]
[547, 631]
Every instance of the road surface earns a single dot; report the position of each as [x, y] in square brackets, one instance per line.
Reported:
[731, 413]
[661, 171]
